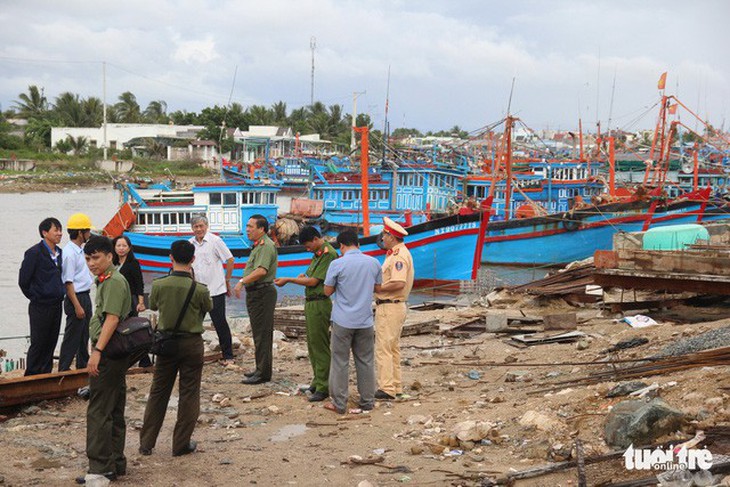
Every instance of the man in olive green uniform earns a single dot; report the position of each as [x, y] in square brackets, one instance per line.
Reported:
[105, 425]
[258, 278]
[168, 295]
[317, 308]
[390, 311]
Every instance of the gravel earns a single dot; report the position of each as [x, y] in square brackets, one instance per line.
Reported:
[719, 337]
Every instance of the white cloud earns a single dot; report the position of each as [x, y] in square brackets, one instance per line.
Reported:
[451, 62]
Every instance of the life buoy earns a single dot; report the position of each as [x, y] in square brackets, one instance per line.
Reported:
[570, 221]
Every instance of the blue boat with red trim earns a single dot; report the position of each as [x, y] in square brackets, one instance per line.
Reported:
[156, 216]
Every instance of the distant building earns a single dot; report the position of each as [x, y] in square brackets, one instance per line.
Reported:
[119, 135]
[266, 142]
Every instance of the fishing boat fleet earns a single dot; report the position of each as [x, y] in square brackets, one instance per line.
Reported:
[461, 209]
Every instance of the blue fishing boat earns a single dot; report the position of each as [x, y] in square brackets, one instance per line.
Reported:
[156, 216]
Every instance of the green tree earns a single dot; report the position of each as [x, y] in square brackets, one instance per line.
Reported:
[93, 111]
[68, 110]
[128, 109]
[156, 112]
[31, 104]
[405, 132]
[38, 133]
[278, 110]
[260, 115]
[182, 117]
[64, 146]
[78, 144]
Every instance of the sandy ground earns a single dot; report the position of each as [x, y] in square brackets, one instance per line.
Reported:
[270, 435]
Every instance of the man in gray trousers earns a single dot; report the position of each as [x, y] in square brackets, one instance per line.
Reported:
[352, 279]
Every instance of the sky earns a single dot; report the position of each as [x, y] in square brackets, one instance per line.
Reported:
[451, 62]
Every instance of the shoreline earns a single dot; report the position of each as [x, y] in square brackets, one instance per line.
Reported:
[41, 183]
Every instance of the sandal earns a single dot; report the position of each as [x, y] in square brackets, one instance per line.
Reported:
[331, 407]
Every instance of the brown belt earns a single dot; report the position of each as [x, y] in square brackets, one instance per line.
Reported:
[387, 301]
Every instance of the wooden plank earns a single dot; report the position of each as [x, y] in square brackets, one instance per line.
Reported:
[669, 281]
[421, 328]
[32, 388]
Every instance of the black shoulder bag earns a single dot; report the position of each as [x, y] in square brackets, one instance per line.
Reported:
[164, 344]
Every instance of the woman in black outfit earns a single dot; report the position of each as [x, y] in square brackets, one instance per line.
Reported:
[129, 267]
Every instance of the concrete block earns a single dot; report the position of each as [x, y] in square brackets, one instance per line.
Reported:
[496, 322]
[560, 321]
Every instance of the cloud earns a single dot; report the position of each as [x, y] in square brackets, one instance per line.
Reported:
[450, 62]
[195, 51]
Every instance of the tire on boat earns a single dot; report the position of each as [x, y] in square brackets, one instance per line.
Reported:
[571, 222]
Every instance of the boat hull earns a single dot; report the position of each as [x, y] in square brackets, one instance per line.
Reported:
[442, 249]
[559, 239]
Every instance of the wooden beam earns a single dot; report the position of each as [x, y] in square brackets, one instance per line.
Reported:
[23, 390]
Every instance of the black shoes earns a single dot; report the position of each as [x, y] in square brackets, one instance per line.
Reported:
[250, 374]
[145, 451]
[383, 396]
[192, 446]
[318, 396]
[254, 379]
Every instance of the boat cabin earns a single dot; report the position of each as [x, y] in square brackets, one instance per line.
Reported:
[227, 206]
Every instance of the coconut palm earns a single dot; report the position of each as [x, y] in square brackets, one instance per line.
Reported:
[278, 110]
[93, 109]
[31, 104]
[78, 144]
[69, 110]
[128, 109]
[259, 115]
[156, 111]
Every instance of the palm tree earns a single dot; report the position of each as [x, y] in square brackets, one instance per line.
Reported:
[69, 110]
[128, 109]
[64, 146]
[156, 111]
[78, 144]
[259, 115]
[278, 110]
[93, 109]
[32, 104]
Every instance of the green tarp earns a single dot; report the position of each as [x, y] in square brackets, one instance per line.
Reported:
[674, 237]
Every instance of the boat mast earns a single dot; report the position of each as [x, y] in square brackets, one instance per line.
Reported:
[364, 183]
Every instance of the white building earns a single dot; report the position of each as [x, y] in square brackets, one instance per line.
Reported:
[118, 134]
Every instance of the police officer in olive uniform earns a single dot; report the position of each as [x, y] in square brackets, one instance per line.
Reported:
[169, 295]
[105, 425]
[390, 310]
[317, 308]
[258, 278]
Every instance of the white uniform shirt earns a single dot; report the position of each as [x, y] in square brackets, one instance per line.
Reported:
[74, 268]
[210, 255]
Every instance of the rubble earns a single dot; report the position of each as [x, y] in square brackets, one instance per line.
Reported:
[640, 423]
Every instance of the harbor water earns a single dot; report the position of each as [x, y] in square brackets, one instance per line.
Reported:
[19, 219]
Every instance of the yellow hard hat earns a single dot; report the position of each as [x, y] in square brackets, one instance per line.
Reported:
[79, 221]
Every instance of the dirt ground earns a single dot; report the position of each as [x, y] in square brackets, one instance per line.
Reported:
[270, 435]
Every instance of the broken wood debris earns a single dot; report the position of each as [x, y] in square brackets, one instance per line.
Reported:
[659, 366]
[543, 339]
[570, 283]
[292, 323]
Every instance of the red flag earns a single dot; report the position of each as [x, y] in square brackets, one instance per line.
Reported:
[662, 81]
[673, 109]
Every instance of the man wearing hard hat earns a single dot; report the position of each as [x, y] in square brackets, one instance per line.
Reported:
[77, 304]
[390, 310]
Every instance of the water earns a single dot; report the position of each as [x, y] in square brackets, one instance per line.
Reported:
[19, 218]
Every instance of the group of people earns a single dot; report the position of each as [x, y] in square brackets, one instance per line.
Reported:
[199, 283]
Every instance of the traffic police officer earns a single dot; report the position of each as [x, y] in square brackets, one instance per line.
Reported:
[390, 311]
[258, 277]
[317, 308]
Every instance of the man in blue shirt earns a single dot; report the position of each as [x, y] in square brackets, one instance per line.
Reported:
[352, 279]
[40, 280]
[77, 305]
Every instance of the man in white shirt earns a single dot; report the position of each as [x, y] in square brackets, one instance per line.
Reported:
[77, 304]
[210, 255]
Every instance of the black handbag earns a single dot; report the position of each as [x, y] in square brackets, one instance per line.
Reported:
[164, 342]
[132, 339]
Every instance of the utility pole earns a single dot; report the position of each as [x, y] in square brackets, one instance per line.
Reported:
[355, 94]
[103, 72]
[312, 46]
